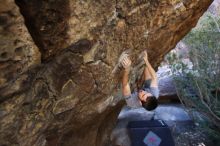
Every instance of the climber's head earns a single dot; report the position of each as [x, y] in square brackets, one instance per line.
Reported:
[149, 102]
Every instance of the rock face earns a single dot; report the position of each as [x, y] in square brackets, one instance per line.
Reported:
[63, 91]
[18, 52]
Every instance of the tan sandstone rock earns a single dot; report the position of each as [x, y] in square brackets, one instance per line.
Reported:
[73, 96]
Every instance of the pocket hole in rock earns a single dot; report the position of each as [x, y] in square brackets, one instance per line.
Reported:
[4, 55]
[18, 50]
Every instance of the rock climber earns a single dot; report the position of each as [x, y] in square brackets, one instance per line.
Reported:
[148, 94]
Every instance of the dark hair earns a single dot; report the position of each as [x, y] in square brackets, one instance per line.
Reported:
[150, 104]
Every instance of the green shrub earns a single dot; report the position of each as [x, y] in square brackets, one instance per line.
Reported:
[198, 87]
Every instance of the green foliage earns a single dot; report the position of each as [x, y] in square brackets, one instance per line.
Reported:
[199, 86]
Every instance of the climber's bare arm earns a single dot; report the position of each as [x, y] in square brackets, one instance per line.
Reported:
[149, 72]
[126, 63]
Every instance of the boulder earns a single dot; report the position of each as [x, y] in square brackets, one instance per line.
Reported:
[59, 78]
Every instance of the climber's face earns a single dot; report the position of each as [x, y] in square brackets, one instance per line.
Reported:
[143, 95]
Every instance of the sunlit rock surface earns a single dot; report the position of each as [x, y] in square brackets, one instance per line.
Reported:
[57, 85]
[166, 83]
